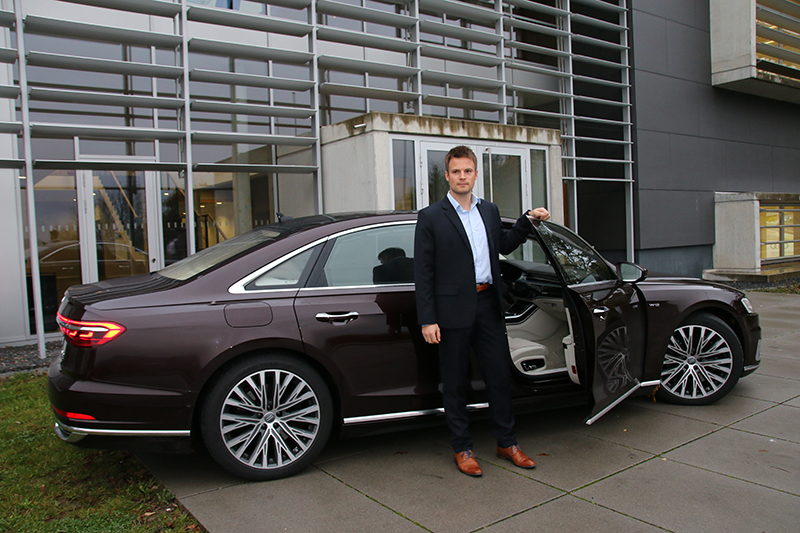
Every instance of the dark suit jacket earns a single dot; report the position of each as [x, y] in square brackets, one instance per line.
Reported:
[444, 271]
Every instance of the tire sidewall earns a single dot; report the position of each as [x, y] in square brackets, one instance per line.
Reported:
[737, 354]
[211, 408]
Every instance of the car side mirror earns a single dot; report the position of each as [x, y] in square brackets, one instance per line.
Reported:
[631, 272]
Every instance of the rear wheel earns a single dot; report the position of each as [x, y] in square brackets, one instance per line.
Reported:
[703, 362]
[267, 417]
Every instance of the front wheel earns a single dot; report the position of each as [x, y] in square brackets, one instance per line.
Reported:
[267, 417]
[702, 363]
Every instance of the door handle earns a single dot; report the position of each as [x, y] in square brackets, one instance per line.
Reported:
[337, 319]
[600, 312]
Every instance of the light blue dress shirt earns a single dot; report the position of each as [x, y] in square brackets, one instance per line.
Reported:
[476, 233]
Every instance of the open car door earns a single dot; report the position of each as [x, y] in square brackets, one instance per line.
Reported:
[608, 316]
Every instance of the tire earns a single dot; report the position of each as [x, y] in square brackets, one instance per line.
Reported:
[267, 417]
[703, 362]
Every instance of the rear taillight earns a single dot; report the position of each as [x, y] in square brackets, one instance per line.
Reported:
[88, 334]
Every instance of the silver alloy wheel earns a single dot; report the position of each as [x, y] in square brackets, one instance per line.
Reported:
[270, 419]
[698, 362]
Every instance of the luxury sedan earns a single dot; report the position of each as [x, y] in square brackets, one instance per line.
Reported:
[266, 344]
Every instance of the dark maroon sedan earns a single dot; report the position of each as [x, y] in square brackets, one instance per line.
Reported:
[265, 343]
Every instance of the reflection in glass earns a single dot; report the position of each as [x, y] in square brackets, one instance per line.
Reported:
[579, 262]
[120, 217]
[403, 170]
[230, 203]
[502, 182]
[538, 179]
[173, 215]
[437, 184]
[57, 240]
[380, 255]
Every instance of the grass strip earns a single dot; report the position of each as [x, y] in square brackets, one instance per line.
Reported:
[49, 486]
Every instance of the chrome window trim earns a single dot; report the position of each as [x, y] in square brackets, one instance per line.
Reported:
[239, 286]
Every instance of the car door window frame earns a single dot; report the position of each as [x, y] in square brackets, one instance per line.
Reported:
[318, 279]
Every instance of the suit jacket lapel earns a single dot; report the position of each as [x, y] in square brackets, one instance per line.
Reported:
[452, 216]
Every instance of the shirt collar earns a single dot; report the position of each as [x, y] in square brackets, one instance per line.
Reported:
[457, 206]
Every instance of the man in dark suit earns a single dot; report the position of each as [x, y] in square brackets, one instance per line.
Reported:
[459, 303]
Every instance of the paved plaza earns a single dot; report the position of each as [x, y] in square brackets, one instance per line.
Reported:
[733, 466]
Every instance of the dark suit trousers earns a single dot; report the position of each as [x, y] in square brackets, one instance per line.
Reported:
[487, 337]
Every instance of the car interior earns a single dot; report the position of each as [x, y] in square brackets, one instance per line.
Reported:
[537, 321]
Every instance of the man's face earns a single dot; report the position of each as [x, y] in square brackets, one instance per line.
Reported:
[461, 175]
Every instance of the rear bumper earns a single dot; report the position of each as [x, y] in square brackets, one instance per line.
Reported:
[114, 410]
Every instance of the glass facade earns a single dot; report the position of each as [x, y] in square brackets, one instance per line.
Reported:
[179, 124]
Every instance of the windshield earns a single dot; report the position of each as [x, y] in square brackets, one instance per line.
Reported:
[206, 259]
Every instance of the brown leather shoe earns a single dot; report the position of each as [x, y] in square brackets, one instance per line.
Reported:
[515, 455]
[467, 464]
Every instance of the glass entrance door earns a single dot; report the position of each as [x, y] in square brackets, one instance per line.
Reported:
[504, 176]
[121, 231]
[503, 180]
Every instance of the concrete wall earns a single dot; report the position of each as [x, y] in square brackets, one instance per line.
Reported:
[732, 56]
[737, 248]
[357, 173]
[692, 139]
[357, 165]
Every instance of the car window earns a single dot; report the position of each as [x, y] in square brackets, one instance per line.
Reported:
[530, 251]
[219, 253]
[374, 256]
[287, 274]
[579, 261]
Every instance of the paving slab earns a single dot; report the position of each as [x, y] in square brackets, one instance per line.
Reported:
[757, 458]
[682, 498]
[781, 421]
[423, 485]
[190, 474]
[309, 502]
[646, 430]
[726, 411]
[568, 460]
[767, 388]
[780, 367]
[574, 514]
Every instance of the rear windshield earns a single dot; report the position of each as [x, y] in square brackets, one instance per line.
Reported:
[207, 259]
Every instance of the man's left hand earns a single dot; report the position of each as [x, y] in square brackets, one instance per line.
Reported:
[540, 213]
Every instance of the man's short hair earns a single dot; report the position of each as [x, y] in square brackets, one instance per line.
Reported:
[459, 152]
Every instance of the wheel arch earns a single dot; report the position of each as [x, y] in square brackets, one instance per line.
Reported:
[658, 338]
[253, 352]
[725, 314]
